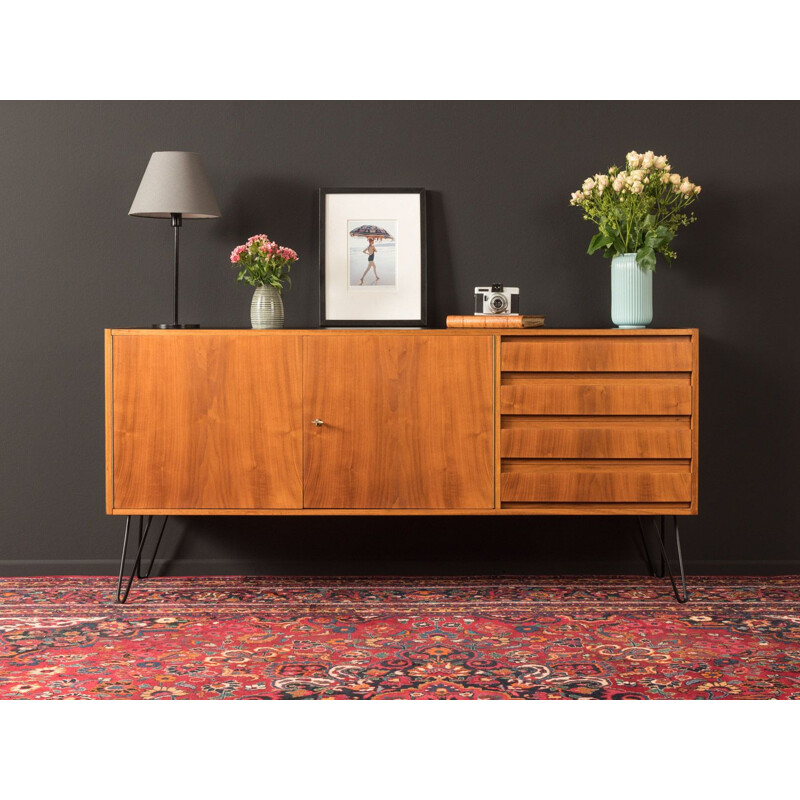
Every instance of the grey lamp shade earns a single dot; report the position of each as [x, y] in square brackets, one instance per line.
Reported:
[175, 183]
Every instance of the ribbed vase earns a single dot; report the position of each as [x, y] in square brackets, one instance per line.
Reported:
[266, 310]
[631, 293]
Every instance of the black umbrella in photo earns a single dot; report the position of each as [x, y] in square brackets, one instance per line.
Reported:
[371, 232]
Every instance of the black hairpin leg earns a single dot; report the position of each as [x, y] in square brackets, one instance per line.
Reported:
[665, 565]
[136, 572]
[155, 551]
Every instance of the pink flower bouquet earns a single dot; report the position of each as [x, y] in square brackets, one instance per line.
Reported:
[261, 262]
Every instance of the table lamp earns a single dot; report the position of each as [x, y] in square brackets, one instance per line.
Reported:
[175, 186]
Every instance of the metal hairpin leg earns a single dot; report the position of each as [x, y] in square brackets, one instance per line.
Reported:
[665, 565]
[155, 551]
[136, 572]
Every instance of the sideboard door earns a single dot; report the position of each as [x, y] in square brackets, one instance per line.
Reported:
[206, 421]
[406, 421]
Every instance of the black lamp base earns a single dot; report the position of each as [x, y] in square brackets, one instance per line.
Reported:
[174, 325]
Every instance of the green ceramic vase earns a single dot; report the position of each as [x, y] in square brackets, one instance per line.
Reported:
[631, 293]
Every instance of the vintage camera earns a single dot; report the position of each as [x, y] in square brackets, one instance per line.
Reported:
[498, 299]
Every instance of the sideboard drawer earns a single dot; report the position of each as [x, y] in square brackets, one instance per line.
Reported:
[595, 437]
[597, 353]
[588, 393]
[611, 482]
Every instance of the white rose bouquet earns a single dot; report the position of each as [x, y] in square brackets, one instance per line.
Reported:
[637, 209]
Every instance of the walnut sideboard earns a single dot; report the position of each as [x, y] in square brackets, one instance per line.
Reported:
[427, 422]
[499, 422]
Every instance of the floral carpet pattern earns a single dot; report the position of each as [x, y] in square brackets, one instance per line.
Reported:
[389, 638]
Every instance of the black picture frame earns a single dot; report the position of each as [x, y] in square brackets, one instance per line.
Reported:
[422, 320]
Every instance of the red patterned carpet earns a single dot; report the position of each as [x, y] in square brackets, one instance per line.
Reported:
[387, 638]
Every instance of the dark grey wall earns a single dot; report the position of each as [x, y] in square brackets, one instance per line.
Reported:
[499, 175]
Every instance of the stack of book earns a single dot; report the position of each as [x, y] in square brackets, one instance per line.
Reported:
[495, 321]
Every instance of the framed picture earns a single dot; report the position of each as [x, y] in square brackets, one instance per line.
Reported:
[372, 258]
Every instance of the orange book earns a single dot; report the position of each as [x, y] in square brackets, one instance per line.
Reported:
[495, 321]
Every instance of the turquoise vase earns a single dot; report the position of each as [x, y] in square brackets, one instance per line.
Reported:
[631, 293]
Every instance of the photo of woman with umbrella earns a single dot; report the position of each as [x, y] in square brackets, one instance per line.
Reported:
[380, 251]
[370, 251]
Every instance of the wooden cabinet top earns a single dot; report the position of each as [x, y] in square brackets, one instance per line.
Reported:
[409, 331]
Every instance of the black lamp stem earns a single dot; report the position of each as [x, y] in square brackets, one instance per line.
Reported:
[177, 221]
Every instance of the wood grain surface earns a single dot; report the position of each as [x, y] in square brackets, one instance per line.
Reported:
[207, 422]
[408, 422]
[507, 510]
[538, 333]
[219, 421]
[593, 353]
[595, 393]
[695, 420]
[498, 459]
[596, 437]
[109, 419]
[596, 482]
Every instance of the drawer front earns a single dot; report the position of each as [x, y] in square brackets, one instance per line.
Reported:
[595, 483]
[527, 393]
[597, 353]
[603, 437]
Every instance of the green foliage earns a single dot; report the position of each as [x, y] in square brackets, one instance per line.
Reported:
[638, 209]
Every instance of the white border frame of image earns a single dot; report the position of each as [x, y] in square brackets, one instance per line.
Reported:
[404, 308]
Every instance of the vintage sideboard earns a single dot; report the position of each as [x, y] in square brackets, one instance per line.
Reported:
[428, 422]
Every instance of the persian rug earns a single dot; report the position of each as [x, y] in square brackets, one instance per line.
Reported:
[390, 638]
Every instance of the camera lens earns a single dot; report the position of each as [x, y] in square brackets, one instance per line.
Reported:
[498, 303]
